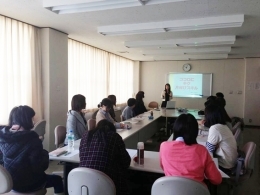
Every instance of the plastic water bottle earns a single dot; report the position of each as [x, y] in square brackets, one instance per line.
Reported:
[71, 140]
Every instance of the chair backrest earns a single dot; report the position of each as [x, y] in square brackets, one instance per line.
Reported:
[91, 124]
[39, 128]
[6, 182]
[170, 185]
[237, 133]
[60, 135]
[153, 105]
[94, 114]
[122, 118]
[249, 149]
[235, 127]
[85, 181]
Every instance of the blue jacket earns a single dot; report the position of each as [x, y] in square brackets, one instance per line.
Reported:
[24, 158]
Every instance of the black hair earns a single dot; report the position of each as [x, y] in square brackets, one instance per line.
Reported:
[186, 126]
[106, 102]
[214, 115]
[220, 95]
[22, 116]
[103, 127]
[139, 96]
[78, 102]
[167, 84]
[112, 99]
[131, 102]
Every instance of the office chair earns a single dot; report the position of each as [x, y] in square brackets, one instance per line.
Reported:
[170, 185]
[153, 105]
[91, 124]
[39, 128]
[59, 135]
[249, 150]
[86, 181]
[6, 185]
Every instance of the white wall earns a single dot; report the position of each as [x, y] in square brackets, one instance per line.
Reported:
[55, 81]
[252, 92]
[228, 75]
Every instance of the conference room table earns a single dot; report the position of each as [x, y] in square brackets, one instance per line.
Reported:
[142, 129]
[151, 162]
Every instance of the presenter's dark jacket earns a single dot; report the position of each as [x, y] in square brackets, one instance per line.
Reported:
[106, 153]
[24, 158]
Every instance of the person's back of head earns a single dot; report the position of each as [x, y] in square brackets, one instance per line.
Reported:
[131, 102]
[106, 102]
[78, 102]
[214, 115]
[186, 126]
[139, 95]
[22, 116]
[219, 95]
[112, 98]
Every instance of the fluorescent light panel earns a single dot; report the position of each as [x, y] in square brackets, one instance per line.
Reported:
[192, 57]
[189, 42]
[215, 50]
[68, 6]
[174, 25]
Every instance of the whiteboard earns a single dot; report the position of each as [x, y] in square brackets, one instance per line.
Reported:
[193, 85]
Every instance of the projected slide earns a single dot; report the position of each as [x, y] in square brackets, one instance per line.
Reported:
[190, 85]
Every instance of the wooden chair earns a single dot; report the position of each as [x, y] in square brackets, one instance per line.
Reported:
[153, 105]
[39, 128]
[6, 185]
[86, 181]
[178, 185]
[60, 135]
[91, 124]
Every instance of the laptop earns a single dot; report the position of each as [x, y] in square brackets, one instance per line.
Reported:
[170, 105]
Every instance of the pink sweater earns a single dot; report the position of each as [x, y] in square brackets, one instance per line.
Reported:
[194, 162]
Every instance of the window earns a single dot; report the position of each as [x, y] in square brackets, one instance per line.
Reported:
[96, 74]
[20, 65]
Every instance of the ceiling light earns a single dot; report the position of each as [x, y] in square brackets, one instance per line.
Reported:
[193, 57]
[187, 51]
[75, 6]
[174, 25]
[189, 42]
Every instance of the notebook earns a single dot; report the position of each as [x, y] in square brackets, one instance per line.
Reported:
[170, 105]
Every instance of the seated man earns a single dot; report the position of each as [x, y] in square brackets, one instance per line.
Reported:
[128, 112]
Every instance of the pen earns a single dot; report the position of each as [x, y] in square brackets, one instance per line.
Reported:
[67, 153]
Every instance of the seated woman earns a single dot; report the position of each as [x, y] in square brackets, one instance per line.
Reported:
[104, 150]
[128, 112]
[184, 157]
[139, 105]
[76, 120]
[221, 142]
[24, 156]
[103, 113]
[112, 98]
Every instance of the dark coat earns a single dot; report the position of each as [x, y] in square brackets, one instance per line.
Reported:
[24, 158]
[139, 108]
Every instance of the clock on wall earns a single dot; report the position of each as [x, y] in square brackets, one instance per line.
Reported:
[186, 67]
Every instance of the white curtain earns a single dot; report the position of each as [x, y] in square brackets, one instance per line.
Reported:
[120, 78]
[96, 74]
[20, 67]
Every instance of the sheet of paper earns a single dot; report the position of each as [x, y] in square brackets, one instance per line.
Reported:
[131, 152]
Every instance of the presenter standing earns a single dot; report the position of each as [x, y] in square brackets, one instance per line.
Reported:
[166, 95]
